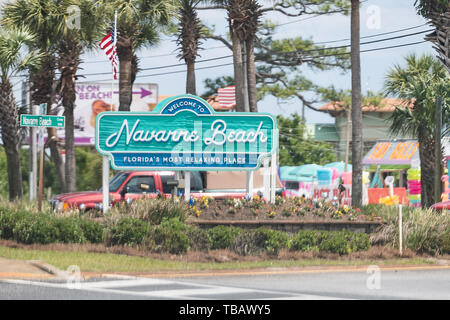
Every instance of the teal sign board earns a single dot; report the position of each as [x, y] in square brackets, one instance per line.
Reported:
[185, 133]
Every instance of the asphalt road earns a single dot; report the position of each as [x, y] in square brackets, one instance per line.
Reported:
[312, 285]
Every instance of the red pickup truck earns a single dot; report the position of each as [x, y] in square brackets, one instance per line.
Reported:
[137, 184]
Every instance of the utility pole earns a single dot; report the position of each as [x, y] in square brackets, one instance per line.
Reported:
[437, 151]
[357, 141]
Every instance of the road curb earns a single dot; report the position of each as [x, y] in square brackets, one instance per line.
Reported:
[259, 272]
[48, 268]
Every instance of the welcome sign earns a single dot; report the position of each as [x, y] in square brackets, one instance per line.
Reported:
[185, 133]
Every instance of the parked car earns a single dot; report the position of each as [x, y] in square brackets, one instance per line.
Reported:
[445, 205]
[129, 186]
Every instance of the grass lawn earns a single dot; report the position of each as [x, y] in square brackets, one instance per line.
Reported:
[108, 262]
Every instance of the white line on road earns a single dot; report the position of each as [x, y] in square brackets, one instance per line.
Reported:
[200, 291]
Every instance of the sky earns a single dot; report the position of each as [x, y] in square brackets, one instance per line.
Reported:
[377, 16]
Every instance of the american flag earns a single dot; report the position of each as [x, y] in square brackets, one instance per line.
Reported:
[227, 97]
[108, 45]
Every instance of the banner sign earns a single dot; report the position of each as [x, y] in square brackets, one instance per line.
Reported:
[95, 97]
[332, 192]
[185, 133]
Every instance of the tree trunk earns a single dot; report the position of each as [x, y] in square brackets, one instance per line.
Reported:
[125, 54]
[251, 75]
[426, 153]
[238, 79]
[10, 130]
[190, 79]
[357, 143]
[69, 60]
[43, 92]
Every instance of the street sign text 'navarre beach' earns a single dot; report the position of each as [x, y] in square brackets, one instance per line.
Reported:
[185, 133]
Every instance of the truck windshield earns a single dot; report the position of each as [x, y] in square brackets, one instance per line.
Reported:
[116, 181]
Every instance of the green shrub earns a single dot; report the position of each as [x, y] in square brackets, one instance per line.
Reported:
[272, 240]
[362, 241]
[341, 242]
[244, 243]
[170, 236]
[69, 230]
[8, 220]
[128, 231]
[307, 240]
[336, 242]
[222, 237]
[35, 228]
[92, 230]
[259, 240]
[198, 239]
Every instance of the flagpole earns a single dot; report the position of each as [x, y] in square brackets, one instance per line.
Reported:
[105, 164]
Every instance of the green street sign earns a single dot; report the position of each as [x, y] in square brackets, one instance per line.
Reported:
[27, 120]
[185, 133]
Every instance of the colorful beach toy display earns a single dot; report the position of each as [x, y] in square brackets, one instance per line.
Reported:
[445, 194]
[414, 189]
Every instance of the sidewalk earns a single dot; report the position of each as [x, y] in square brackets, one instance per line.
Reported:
[21, 269]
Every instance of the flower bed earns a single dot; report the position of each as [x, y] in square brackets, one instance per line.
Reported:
[290, 209]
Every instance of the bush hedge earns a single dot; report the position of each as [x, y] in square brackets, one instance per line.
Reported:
[260, 240]
[8, 219]
[128, 231]
[35, 228]
[341, 242]
[170, 236]
[92, 230]
[222, 237]
[425, 231]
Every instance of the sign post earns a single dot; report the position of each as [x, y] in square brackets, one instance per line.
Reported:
[33, 176]
[40, 121]
[184, 133]
[41, 169]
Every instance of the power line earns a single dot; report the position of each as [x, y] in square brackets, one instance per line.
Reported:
[371, 50]
[154, 56]
[228, 64]
[296, 51]
[374, 35]
[162, 67]
[323, 42]
[361, 43]
[174, 72]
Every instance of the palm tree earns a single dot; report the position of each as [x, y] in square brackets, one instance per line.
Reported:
[189, 39]
[71, 45]
[423, 80]
[243, 22]
[253, 11]
[138, 25]
[357, 143]
[39, 16]
[13, 58]
[63, 44]
[438, 12]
